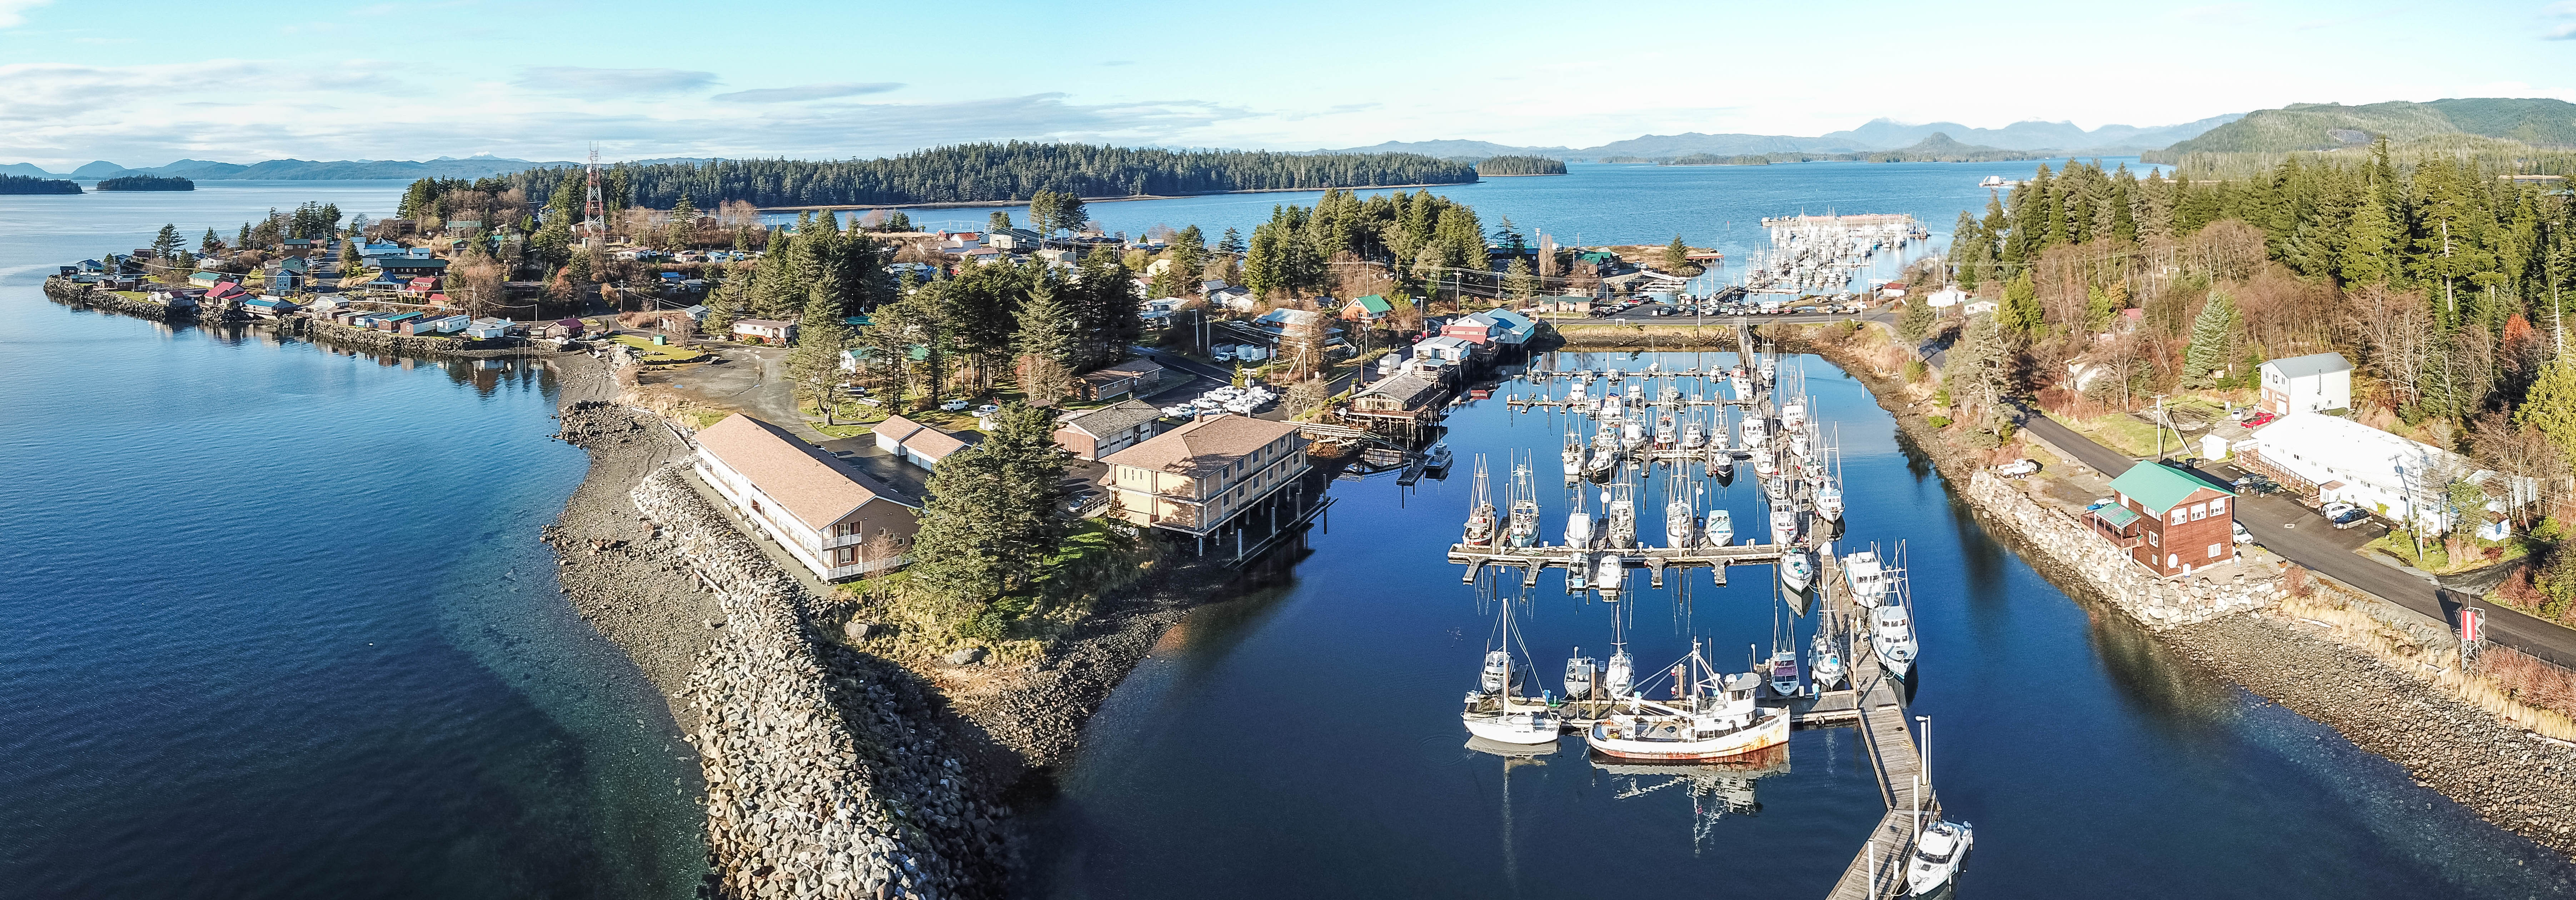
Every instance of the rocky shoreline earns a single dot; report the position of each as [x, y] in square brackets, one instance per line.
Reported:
[315, 330]
[834, 765]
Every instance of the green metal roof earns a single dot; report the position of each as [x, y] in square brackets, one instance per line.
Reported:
[1376, 305]
[2161, 487]
[2117, 516]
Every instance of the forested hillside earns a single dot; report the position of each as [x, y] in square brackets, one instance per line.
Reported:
[1520, 165]
[2327, 126]
[994, 172]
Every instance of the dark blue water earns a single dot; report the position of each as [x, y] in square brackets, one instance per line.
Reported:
[1305, 742]
[278, 621]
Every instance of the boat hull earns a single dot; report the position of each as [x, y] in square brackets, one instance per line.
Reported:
[1513, 728]
[1772, 732]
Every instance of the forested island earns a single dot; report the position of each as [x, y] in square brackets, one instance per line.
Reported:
[147, 183]
[985, 173]
[1936, 148]
[22, 184]
[1520, 165]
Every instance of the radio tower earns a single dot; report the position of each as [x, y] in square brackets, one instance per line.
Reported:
[593, 212]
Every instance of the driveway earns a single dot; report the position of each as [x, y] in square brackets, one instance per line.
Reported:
[749, 380]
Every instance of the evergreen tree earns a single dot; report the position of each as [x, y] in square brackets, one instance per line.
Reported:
[1915, 323]
[1676, 255]
[815, 363]
[165, 246]
[1231, 244]
[997, 221]
[1044, 343]
[2367, 241]
[1978, 369]
[1519, 281]
[993, 509]
[2213, 340]
[210, 245]
[2020, 312]
[2551, 405]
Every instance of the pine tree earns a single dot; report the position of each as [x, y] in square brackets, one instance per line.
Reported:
[166, 245]
[1231, 244]
[210, 245]
[2020, 312]
[2213, 340]
[1676, 255]
[997, 221]
[2551, 405]
[1519, 281]
[815, 363]
[1916, 322]
[2368, 239]
[1044, 345]
[994, 509]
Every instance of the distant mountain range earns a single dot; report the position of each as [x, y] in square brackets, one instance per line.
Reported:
[2539, 122]
[307, 170]
[1878, 134]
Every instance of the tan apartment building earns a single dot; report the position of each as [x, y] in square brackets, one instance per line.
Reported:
[1196, 478]
[830, 516]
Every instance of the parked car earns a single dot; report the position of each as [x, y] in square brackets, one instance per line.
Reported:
[2344, 515]
[2260, 419]
[954, 406]
[2018, 468]
[986, 410]
[2257, 484]
[2242, 536]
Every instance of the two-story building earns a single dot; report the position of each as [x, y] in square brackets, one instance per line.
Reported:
[830, 516]
[1197, 478]
[2312, 383]
[2169, 518]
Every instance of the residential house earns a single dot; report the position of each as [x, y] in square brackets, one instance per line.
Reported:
[1133, 378]
[1097, 433]
[1512, 329]
[2169, 518]
[1978, 308]
[1233, 298]
[1478, 329]
[205, 279]
[487, 328]
[1406, 400]
[1565, 304]
[2311, 383]
[176, 298]
[398, 322]
[421, 286]
[2339, 459]
[983, 256]
[1016, 240]
[1197, 478]
[268, 307]
[769, 331]
[916, 443]
[411, 266]
[565, 329]
[1367, 309]
[830, 516]
[1946, 298]
[1445, 349]
[437, 325]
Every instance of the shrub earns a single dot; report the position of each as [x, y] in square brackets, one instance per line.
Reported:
[1938, 421]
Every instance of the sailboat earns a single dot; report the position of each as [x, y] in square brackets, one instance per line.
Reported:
[1721, 529]
[1573, 457]
[1783, 664]
[1524, 522]
[1489, 712]
[1480, 511]
[1681, 522]
[1713, 716]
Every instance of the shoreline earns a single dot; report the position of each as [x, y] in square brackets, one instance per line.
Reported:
[982, 204]
[2515, 779]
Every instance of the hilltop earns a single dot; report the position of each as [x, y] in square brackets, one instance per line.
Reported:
[2033, 139]
[2539, 122]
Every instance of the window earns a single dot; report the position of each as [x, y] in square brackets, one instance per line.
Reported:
[2199, 511]
[2171, 560]
[2155, 539]
[2218, 507]
[2213, 550]
[2180, 515]
[845, 556]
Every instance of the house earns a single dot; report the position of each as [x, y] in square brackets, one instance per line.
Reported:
[487, 328]
[1109, 429]
[296, 245]
[767, 331]
[565, 328]
[464, 226]
[830, 516]
[1513, 329]
[916, 443]
[1197, 478]
[1233, 298]
[2169, 518]
[411, 266]
[2311, 383]
[2339, 459]
[1566, 303]
[1065, 259]
[268, 307]
[1133, 378]
[204, 279]
[438, 325]
[398, 322]
[1369, 308]
[1407, 399]
[176, 298]
[955, 241]
[1945, 298]
[1018, 240]
[1445, 349]
[1478, 329]
[1978, 307]
[420, 285]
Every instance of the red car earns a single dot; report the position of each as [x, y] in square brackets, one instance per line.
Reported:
[2260, 419]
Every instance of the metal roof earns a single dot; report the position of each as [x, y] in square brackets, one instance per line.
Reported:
[2311, 364]
[2160, 487]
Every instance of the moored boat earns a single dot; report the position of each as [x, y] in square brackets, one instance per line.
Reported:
[1825, 661]
[1867, 575]
[1721, 529]
[1797, 570]
[1891, 636]
[1938, 853]
[1714, 718]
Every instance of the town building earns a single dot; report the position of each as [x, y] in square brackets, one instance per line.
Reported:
[769, 331]
[1093, 434]
[1367, 309]
[830, 516]
[1405, 403]
[2339, 460]
[1132, 378]
[2311, 383]
[1196, 479]
[915, 443]
[2169, 519]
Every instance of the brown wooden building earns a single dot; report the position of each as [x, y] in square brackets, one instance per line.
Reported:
[2171, 519]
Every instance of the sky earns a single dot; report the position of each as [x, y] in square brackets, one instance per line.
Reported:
[146, 82]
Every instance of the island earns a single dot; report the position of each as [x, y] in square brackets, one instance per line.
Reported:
[146, 183]
[25, 184]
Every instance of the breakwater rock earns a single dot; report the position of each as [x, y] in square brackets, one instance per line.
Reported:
[2085, 558]
[68, 291]
[826, 776]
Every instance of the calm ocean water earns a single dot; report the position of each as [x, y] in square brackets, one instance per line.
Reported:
[281, 627]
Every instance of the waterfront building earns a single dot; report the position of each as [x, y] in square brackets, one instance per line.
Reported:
[2169, 518]
[2340, 460]
[2311, 383]
[1196, 479]
[1405, 403]
[1105, 431]
[830, 516]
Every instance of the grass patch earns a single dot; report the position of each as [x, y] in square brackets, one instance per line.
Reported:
[853, 418]
[2121, 432]
[2476, 554]
[669, 354]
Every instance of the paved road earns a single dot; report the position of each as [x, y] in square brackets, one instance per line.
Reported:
[2300, 535]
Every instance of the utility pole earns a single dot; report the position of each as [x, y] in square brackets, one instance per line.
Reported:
[2160, 428]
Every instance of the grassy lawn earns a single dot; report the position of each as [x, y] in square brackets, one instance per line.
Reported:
[2121, 432]
[2437, 558]
[854, 418]
[662, 355]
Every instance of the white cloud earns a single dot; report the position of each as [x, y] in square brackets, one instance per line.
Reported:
[14, 12]
[807, 92]
[580, 81]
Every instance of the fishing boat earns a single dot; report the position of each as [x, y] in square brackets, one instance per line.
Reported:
[1793, 416]
[1579, 527]
[1768, 369]
[1524, 522]
[1783, 664]
[1574, 393]
[1891, 635]
[1798, 446]
[1632, 434]
[1784, 525]
[1480, 511]
[1620, 505]
[1608, 570]
[1825, 661]
[1712, 717]
[1618, 678]
[1665, 432]
[1573, 456]
[1681, 523]
[1777, 489]
[1868, 577]
[1764, 464]
[1581, 674]
[1694, 436]
[1740, 384]
[1490, 711]
[1829, 502]
[1721, 529]
[1613, 376]
[1797, 570]
[1437, 457]
[1938, 853]
[1721, 465]
[1757, 431]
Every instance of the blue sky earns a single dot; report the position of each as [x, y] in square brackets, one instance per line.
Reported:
[144, 83]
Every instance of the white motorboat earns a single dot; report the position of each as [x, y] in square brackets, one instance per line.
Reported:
[1721, 529]
[1665, 432]
[1608, 570]
[1798, 443]
[1829, 502]
[1741, 385]
[1523, 727]
[1784, 673]
[1784, 526]
[1621, 509]
[1632, 434]
[1613, 376]
[1891, 635]
[1694, 436]
[1764, 464]
[1722, 464]
[1793, 416]
[1437, 457]
[1797, 570]
[1757, 431]
[1715, 717]
[1867, 575]
[1637, 394]
[1578, 528]
[1581, 674]
[1574, 392]
[1681, 523]
[1938, 853]
[1825, 662]
[1573, 456]
[1620, 676]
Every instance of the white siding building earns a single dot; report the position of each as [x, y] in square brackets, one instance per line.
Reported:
[2311, 383]
[2347, 461]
